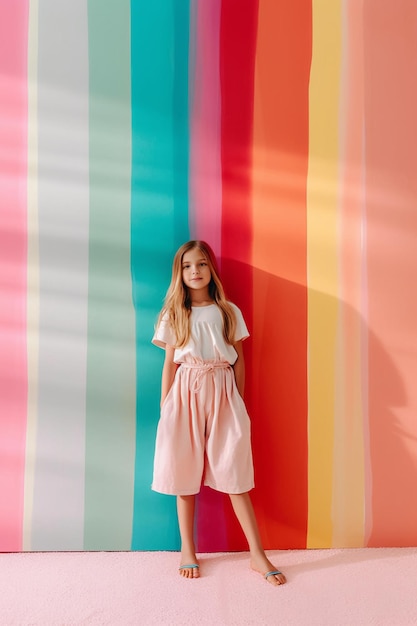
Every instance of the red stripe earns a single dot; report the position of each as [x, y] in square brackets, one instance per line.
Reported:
[13, 258]
[237, 60]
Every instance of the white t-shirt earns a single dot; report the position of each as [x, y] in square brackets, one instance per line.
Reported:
[206, 341]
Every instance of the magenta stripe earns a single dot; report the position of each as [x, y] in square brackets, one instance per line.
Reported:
[13, 253]
[205, 166]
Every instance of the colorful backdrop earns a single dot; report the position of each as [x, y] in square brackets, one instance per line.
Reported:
[284, 134]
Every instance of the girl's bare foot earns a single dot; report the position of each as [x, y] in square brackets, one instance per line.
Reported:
[260, 563]
[189, 567]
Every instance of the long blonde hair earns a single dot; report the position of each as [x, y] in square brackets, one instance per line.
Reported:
[177, 303]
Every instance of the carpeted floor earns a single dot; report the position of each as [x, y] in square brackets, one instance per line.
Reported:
[325, 587]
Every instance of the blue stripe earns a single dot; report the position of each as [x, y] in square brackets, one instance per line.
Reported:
[159, 224]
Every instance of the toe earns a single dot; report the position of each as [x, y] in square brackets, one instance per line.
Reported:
[189, 571]
[273, 580]
[278, 578]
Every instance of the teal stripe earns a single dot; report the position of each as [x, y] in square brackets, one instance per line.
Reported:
[111, 376]
[159, 35]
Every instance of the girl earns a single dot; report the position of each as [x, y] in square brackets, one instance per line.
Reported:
[204, 429]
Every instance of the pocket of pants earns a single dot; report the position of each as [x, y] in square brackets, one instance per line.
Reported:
[167, 396]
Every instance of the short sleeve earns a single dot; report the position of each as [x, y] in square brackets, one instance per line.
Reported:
[164, 334]
[241, 328]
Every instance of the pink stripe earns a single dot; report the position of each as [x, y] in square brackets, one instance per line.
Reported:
[391, 165]
[348, 483]
[205, 197]
[205, 166]
[13, 256]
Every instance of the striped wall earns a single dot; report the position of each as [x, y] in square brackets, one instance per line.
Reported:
[284, 134]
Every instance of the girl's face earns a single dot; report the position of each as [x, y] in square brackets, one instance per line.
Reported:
[195, 270]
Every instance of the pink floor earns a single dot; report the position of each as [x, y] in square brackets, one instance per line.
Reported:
[325, 587]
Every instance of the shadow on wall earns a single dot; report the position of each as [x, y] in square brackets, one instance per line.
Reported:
[277, 399]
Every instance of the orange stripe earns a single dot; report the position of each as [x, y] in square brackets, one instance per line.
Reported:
[280, 155]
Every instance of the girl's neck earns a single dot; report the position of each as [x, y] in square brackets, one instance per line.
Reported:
[200, 297]
[201, 302]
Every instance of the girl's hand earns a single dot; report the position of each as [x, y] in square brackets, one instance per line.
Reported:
[168, 372]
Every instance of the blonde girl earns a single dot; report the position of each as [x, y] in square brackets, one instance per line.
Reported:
[204, 430]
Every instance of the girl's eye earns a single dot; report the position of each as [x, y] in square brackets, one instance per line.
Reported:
[203, 264]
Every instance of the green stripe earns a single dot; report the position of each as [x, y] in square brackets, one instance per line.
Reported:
[159, 225]
[111, 414]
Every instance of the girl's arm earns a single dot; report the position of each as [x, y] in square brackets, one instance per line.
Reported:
[168, 372]
[239, 368]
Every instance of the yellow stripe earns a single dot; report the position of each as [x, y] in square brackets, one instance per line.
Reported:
[322, 201]
[32, 272]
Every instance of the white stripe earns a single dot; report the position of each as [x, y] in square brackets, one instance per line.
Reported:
[63, 167]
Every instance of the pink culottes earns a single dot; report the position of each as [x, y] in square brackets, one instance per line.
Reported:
[203, 433]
